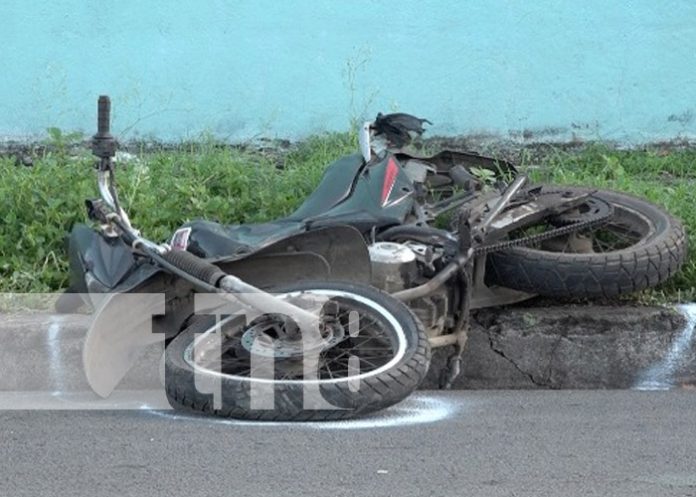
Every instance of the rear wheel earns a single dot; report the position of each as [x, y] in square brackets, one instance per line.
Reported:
[640, 247]
[373, 353]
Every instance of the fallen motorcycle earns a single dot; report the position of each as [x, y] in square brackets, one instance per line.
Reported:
[443, 234]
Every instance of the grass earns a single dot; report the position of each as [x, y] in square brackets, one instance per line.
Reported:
[165, 188]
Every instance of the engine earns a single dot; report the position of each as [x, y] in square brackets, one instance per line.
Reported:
[394, 266]
[398, 266]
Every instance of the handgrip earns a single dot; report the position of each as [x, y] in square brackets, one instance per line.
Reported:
[103, 144]
[103, 115]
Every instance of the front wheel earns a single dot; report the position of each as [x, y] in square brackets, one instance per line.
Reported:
[373, 353]
[639, 247]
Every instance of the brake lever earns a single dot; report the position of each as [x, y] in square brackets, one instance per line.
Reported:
[97, 211]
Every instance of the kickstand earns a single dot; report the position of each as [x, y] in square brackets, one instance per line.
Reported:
[454, 362]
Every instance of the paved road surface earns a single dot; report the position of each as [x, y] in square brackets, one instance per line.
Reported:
[552, 443]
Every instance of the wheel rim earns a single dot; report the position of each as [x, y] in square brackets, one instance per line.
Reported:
[375, 343]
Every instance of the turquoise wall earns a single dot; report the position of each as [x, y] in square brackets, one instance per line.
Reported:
[240, 69]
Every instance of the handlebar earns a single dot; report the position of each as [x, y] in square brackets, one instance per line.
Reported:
[104, 147]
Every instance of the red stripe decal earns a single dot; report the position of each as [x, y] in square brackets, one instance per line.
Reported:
[389, 179]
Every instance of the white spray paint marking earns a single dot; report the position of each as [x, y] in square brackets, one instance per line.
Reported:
[83, 400]
[417, 409]
[660, 376]
[54, 356]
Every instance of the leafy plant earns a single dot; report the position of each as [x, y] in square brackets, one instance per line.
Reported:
[485, 176]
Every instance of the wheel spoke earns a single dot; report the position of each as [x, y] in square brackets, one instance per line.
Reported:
[370, 343]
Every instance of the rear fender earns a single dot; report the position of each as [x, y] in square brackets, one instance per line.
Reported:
[444, 160]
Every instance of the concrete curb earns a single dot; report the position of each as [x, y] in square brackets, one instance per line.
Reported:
[550, 347]
[582, 347]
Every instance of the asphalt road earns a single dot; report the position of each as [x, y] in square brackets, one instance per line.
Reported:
[525, 443]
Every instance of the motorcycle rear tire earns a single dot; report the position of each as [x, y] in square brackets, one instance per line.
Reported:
[649, 261]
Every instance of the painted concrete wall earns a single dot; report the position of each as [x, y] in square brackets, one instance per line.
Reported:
[541, 69]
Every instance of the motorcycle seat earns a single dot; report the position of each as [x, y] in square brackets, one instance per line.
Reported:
[213, 240]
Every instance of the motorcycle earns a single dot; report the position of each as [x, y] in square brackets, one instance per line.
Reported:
[407, 244]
